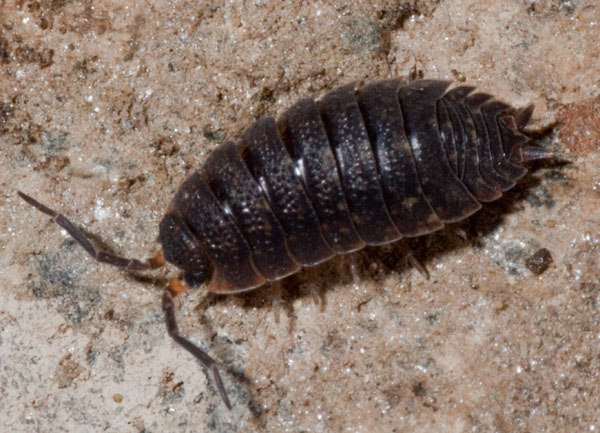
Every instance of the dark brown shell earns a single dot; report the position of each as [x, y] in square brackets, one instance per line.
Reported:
[364, 165]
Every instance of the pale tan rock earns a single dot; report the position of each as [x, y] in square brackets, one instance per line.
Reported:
[104, 108]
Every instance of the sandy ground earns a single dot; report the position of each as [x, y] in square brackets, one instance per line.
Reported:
[104, 108]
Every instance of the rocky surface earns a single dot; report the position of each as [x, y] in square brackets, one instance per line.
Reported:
[104, 108]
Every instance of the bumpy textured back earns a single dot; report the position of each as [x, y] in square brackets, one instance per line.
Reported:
[363, 165]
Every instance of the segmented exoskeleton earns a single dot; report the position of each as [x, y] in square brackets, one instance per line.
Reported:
[363, 165]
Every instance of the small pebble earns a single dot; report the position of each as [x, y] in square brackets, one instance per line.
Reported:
[539, 261]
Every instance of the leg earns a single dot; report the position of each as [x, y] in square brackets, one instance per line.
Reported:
[209, 363]
[276, 300]
[354, 272]
[317, 296]
[417, 264]
[99, 255]
[410, 258]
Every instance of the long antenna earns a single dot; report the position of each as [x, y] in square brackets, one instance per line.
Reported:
[137, 265]
[99, 255]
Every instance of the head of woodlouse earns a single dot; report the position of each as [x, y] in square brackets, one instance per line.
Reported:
[181, 248]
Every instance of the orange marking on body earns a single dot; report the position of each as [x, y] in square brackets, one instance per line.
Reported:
[158, 260]
[177, 287]
[221, 286]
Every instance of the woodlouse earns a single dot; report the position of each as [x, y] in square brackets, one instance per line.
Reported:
[364, 165]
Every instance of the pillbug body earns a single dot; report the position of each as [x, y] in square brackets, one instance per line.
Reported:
[364, 165]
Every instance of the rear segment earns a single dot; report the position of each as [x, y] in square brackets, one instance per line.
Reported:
[483, 141]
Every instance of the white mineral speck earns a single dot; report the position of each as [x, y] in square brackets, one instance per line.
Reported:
[100, 212]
